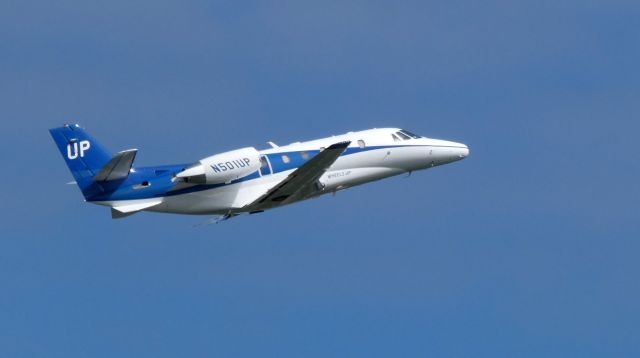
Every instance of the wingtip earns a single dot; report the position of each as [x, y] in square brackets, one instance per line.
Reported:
[339, 145]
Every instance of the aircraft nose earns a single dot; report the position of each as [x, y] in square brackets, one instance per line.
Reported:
[463, 151]
[458, 151]
[444, 151]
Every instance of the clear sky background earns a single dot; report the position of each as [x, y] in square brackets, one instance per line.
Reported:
[528, 248]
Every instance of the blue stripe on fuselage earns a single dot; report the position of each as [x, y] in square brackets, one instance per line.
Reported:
[161, 184]
[296, 160]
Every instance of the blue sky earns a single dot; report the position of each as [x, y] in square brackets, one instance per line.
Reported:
[527, 248]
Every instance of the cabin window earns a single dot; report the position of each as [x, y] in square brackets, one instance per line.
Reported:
[304, 155]
[285, 159]
[403, 136]
[395, 138]
[360, 143]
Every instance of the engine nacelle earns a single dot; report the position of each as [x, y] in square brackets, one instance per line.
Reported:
[223, 167]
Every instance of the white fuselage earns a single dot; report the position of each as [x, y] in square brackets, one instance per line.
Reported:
[372, 155]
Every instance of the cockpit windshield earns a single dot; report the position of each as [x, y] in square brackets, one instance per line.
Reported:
[412, 135]
[404, 134]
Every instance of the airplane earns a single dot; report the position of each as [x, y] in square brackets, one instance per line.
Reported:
[246, 180]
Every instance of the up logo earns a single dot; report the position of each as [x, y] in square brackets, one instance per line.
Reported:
[74, 149]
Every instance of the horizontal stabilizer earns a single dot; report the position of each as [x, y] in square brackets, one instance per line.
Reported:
[120, 211]
[118, 167]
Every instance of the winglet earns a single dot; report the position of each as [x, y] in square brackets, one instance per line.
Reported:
[339, 145]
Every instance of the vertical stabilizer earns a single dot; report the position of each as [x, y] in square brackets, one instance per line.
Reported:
[84, 155]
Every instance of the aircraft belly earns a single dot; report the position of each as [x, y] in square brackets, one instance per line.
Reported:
[222, 199]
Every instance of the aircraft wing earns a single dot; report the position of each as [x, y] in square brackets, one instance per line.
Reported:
[300, 182]
[118, 167]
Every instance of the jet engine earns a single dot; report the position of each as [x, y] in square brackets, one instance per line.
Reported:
[223, 167]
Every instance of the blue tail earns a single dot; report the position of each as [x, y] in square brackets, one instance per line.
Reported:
[83, 154]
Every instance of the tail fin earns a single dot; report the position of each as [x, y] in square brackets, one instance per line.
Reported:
[83, 154]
